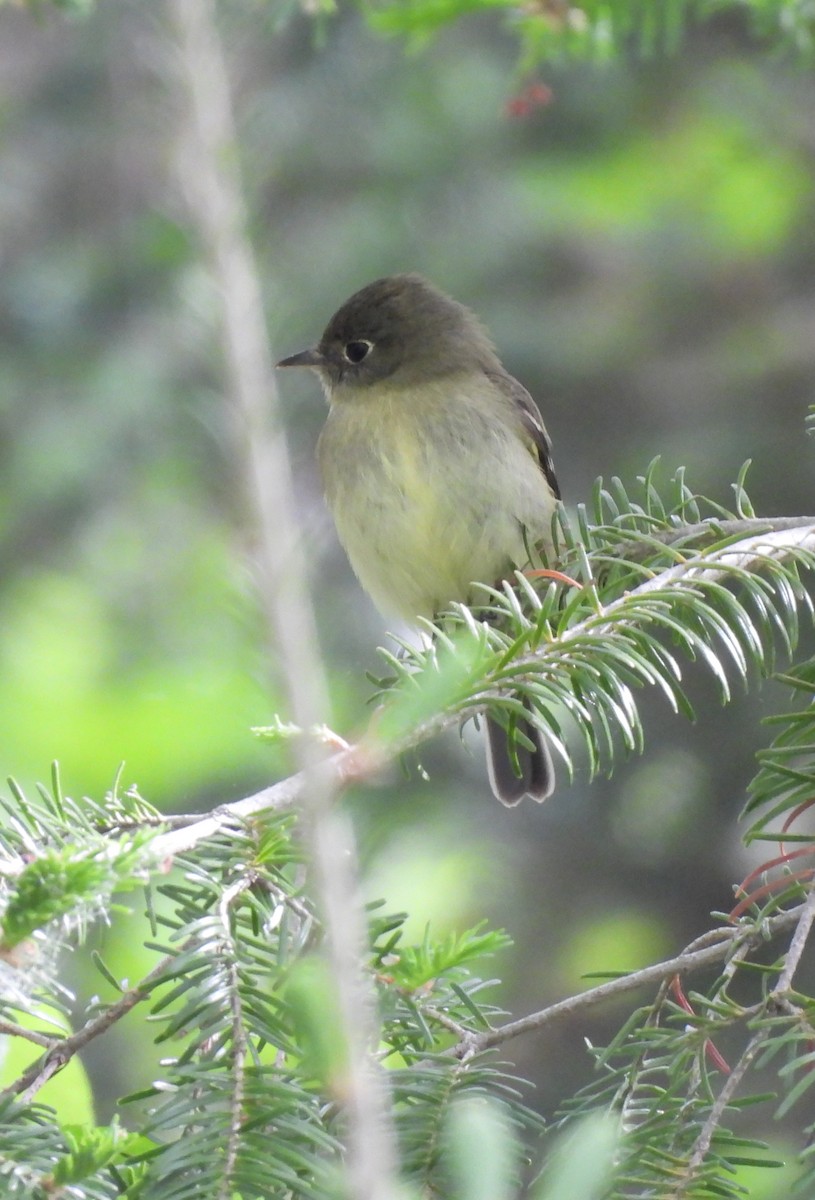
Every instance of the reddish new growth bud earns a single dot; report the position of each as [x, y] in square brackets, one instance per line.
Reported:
[534, 95]
[539, 95]
[518, 107]
[685, 1004]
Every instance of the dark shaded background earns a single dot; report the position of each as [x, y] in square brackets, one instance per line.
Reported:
[642, 248]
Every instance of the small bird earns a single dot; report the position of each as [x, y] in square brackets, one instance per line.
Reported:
[436, 466]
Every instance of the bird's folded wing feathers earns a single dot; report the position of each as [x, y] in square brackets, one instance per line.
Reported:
[540, 445]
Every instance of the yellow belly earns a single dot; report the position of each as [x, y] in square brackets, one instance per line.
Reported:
[424, 507]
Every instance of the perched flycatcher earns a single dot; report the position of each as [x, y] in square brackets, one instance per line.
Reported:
[436, 466]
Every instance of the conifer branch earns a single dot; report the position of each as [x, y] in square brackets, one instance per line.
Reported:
[370, 755]
[60, 1051]
[240, 1041]
[713, 529]
[723, 942]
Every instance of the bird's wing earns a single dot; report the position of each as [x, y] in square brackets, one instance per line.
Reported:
[539, 445]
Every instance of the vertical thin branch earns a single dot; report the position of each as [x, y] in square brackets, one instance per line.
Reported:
[797, 946]
[731, 1084]
[216, 198]
[708, 1131]
[211, 180]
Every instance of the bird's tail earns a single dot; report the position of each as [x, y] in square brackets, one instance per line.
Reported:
[537, 773]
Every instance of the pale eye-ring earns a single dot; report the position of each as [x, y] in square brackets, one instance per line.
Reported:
[357, 350]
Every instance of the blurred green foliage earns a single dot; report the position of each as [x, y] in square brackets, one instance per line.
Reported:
[599, 29]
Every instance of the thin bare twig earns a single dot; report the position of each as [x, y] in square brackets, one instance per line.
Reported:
[706, 1134]
[804, 916]
[62, 1050]
[31, 1035]
[692, 960]
[446, 1022]
[797, 944]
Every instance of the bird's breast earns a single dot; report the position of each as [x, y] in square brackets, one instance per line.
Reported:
[429, 491]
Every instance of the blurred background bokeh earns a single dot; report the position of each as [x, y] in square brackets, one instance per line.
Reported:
[642, 247]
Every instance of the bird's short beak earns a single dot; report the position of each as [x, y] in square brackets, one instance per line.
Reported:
[306, 358]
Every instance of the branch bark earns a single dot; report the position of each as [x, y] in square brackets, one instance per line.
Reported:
[723, 942]
[61, 1050]
[679, 537]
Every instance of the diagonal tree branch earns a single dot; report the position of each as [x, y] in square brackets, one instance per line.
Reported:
[61, 1050]
[370, 754]
[717, 1111]
[723, 941]
[797, 946]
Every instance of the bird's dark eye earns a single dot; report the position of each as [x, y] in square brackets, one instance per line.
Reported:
[356, 351]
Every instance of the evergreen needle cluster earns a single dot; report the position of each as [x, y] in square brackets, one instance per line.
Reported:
[248, 1099]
